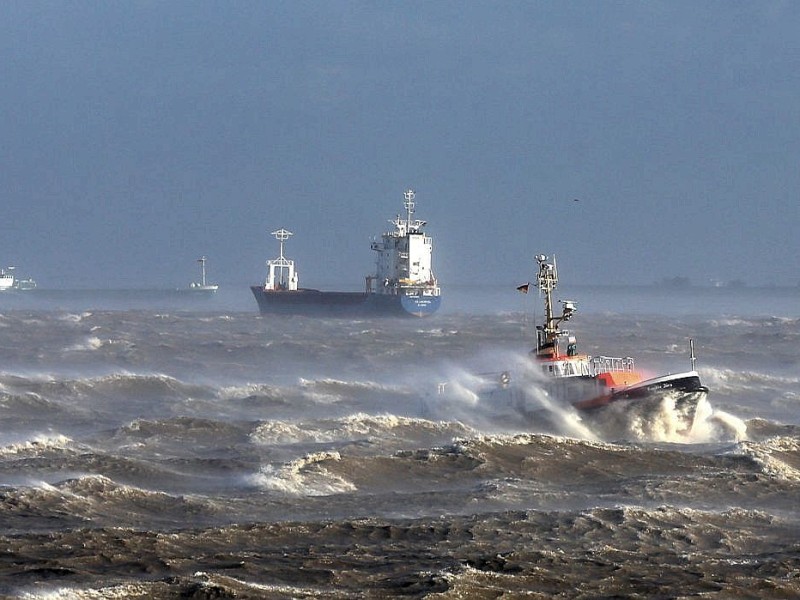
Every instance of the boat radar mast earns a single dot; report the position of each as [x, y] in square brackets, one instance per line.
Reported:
[277, 267]
[547, 280]
[203, 286]
[409, 204]
[202, 261]
[404, 227]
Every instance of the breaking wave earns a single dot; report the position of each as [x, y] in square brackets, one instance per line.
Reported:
[306, 476]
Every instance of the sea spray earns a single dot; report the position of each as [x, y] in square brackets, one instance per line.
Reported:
[713, 425]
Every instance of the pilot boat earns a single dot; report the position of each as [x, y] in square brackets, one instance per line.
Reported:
[594, 384]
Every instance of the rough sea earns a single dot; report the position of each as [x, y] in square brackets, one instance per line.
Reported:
[175, 449]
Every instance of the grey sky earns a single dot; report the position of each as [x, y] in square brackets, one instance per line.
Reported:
[137, 136]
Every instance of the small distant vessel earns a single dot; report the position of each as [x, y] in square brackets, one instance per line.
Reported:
[593, 383]
[25, 284]
[403, 283]
[203, 286]
[8, 281]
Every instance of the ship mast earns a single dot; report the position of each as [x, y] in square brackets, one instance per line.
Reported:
[547, 280]
[202, 261]
[282, 235]
[409, 204]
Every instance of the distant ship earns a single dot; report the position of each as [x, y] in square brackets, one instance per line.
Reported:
[9, 282]
[403, 283]
[203, 287]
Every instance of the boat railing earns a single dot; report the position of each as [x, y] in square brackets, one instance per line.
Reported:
[606, 364]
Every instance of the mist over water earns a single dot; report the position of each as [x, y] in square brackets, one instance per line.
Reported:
[159, 448]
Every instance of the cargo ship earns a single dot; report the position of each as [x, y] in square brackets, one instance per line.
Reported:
[403, 283]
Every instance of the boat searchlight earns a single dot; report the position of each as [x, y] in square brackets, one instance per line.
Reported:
[568, 309]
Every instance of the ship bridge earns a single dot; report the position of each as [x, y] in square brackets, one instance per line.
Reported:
[404, 259]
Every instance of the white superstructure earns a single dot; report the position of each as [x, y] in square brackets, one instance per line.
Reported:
[404, 266]
[6, 279]
[281, 274]
[9, 281]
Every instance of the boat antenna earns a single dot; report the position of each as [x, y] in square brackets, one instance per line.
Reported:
[691, 353]
[409, 204]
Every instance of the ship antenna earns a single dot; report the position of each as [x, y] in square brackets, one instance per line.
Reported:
[409, 204]
[282, 235]
[691, 353]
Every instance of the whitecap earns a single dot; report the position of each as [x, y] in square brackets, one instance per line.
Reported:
[306, 476]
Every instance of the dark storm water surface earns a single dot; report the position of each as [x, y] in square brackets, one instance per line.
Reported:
[195, 449]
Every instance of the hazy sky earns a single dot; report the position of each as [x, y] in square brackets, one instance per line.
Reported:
[137, 136]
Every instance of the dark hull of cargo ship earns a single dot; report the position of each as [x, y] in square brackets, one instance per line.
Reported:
[342, 304]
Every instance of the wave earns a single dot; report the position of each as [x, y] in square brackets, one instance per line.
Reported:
[384, 427]
[184, 435]
[199, 584]
[121, 384]
[366, 425]
[39, 444]
[100, 499]
[777, 457]
[123, 590]
[118, 347]
[74, 317]
[542, 471]
[28, 404]
[305, 476]
[282, 433]
[88, 344]
[341, 389]
[726, 380]
[257, 392]
[753, 322]
[566, 460]
[323, 391]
